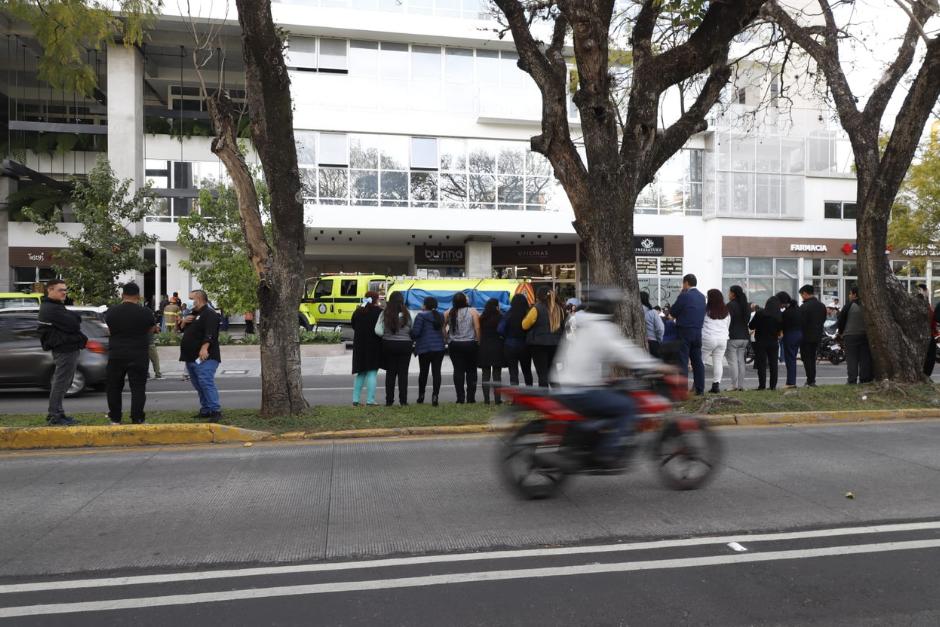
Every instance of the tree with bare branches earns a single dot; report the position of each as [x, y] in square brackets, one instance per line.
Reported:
[896, 321]
[623, 141]
[277, 259]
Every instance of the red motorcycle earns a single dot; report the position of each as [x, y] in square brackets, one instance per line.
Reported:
[548, 439]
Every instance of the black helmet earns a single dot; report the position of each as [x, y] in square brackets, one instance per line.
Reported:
[603, 300]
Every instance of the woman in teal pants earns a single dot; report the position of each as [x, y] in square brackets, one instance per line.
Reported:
[367, 348]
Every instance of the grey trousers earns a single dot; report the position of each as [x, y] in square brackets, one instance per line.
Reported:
[65, 364]
[154, 359]
[735, 353]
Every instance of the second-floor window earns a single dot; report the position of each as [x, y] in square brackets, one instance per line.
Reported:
[837, 210]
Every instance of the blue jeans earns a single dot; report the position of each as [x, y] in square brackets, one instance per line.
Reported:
[690, 348]
[791, 348]
[614, 409]
[202, 376]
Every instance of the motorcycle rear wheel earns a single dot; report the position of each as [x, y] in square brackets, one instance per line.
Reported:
[519, 465]
[687, 459]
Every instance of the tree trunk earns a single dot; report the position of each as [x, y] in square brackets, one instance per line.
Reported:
[272, 133]
[606, 231]
[897, 322]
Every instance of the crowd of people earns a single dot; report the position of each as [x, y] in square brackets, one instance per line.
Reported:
[131, 326]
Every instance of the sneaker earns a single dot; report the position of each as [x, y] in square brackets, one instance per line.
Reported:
[63, 421]
[115, 422]
[158, 376]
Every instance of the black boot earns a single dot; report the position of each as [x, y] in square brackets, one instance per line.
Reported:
[434, 402]
[420, 399]
[714, 389]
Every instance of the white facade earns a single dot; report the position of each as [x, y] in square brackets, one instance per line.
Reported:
[413, 121]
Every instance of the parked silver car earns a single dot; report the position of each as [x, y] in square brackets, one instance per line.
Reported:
[24, 365]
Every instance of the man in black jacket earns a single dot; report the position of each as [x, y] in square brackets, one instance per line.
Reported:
[814, 317]
[131, 327]
[199, 350]
[60, 331]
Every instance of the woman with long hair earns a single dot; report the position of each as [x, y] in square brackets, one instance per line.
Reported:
[545, 324]
[792, 327]
[766, 324]
[428, 334]
[738, 335]
[515, 350]
[367, 348]
[463, 333]
[654, 325]
[491, 350]
[715, 335]
[394, 327]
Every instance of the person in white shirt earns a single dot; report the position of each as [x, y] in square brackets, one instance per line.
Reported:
[715, 334]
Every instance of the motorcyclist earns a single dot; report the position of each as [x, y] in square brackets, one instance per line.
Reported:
[586, 359]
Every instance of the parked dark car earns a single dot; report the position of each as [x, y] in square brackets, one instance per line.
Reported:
[25, 365]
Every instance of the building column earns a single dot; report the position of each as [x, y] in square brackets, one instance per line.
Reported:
[126, 125]
[158, 273]
[478, 259]
[7, 186]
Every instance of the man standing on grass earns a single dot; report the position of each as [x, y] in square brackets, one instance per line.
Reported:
[131, 327]
[60, 331]
[689, 312]
[199, 350]
[813, 316]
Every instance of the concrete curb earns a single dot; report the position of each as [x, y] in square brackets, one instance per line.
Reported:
[20, 438]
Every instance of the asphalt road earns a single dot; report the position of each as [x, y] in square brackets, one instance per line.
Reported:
[420, 532]
[245, 392]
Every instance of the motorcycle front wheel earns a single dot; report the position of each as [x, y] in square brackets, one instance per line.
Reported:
[688, 453]
[520, 466]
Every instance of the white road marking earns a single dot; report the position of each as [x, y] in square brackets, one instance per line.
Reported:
[456, 578]
[734, 546]
[458, 557]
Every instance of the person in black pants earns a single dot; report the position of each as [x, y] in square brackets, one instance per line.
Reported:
[394, 327]
[131, 327]
[766, 324]
[813, 319]
[428, 334]
[463, 333]
[545, 324]
[491, 351]
[515, 351]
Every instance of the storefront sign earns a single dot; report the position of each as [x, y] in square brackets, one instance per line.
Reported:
[808, 248]
[32, 257]
[649, 246]
[922, 251]
[439, 255]
[671, 266]
[646, 265]
[521, 255]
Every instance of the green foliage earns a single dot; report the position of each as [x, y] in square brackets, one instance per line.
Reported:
[45, 200]
[915, 217]
[320, 337]
[218, 255]
[166, 338]
[106, 248]
[68, 29]
[227, 339]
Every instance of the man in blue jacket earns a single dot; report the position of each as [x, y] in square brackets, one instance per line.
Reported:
[689, 312]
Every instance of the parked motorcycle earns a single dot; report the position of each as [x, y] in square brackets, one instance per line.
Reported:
[831, 349]
[548, 439]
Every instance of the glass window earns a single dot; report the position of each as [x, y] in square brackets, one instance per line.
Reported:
[482, 157]
[454, 190]
[511, 158]
[308, 182]
[333, 185]
[537, 164]
[363, 58]
[537, 190]
[482, 191]
[510, 74]
[696, 165]
[453, 155]
[364, 187]
[424, 153]
[394, 152]
[333, 149]
[768, 194]
[735, 266]
[393, 61]
[820, 160]
[348, 287]
[833, 210]
[791, 155]
[395, 189]
[510, 191]
[425, 63]
[458, 64]
[768, 154]
[742, 199]
[849, 211]
[760, 266]
[333, 55]
[364, 152]
[448, 8]
[742, 153]
[324, 289]
[832, 267]
[849, 268]
[424, 189]
[792, 199]
[302, 52]
[306, 147]
[487, 67]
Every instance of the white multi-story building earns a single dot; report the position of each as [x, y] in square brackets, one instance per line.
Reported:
[412, 124]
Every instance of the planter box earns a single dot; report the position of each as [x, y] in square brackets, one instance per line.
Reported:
[172, 353]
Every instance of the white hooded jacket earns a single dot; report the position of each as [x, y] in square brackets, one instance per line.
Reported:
[586, 357]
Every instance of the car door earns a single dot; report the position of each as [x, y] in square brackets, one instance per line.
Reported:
[323, 301]
[24, 363]
[350, 295]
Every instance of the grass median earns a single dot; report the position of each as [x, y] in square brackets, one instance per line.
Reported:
[340, 418]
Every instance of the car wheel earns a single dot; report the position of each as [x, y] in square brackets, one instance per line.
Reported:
[78, 384]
